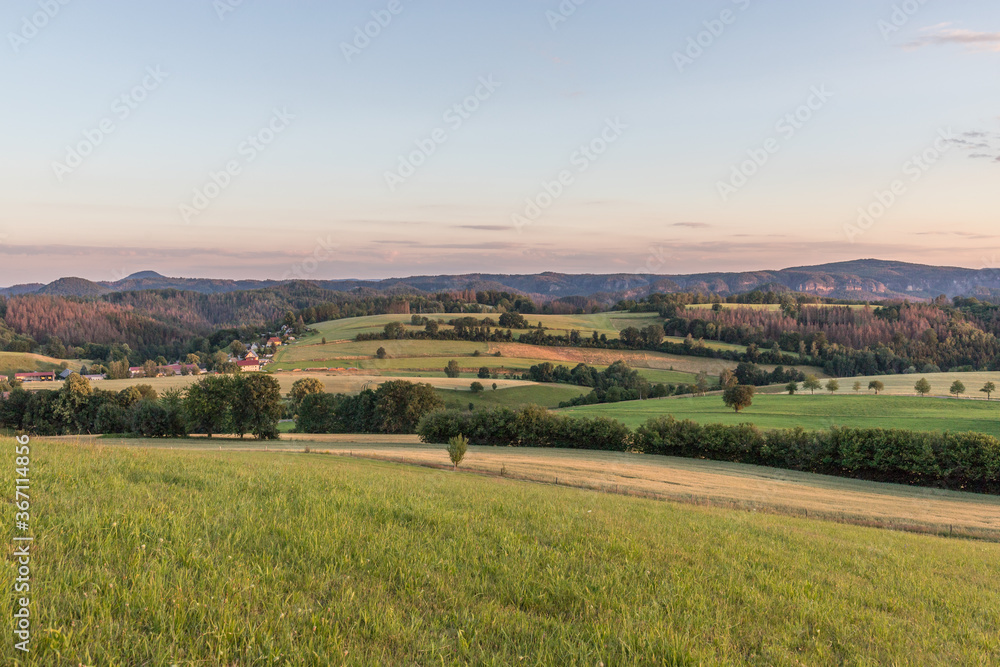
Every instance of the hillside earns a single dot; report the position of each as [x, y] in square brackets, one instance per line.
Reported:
[17, 362]
[860, 279]
[229, 558]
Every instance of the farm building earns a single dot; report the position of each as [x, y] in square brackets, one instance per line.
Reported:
[249, 365]
[45, 376]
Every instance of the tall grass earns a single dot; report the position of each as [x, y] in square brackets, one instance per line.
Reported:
[219, 558]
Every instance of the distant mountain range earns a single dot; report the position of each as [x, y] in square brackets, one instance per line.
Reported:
[866, 279]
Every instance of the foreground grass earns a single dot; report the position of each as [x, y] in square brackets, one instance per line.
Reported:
[159, 557]
[814, 412]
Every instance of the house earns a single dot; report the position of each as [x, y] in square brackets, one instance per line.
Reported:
[252, 355]
[179, 369]
[65, 374]
[95, 378]
[249, 365]
[274, 340]
[47, 376]
[135, 371]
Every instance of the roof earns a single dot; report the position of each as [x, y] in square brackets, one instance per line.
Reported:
[39, 374]
[273, 339]
[248, 362]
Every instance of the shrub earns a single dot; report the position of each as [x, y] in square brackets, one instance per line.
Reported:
[457, 447]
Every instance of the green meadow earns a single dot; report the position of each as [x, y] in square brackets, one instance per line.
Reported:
[545, 395]
[22, 362]
[814, 412]
[165, 557]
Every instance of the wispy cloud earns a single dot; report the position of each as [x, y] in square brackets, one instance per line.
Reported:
[979, 144]
[692, 225]
[976, 41]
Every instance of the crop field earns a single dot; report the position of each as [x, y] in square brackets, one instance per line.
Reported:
[417, 357]
[217, 558]
[814, 412]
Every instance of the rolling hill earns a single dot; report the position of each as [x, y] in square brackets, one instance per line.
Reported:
[860, 279]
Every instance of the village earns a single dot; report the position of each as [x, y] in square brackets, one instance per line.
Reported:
[253, 360]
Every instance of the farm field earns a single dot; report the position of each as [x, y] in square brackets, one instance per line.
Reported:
[902, 385]
[430, 356]
[22, 362]
[545, 395]
[608, 324]
[334, 383]
[230, 557]
[655, 369]
[813, 412]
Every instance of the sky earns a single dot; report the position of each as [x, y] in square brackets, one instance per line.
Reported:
[388, 138]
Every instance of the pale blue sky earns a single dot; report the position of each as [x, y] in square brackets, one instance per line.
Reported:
[651, 201]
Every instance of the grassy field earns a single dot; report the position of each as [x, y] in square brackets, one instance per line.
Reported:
[902, 385]
[609, 324]
[428, 357]
[335, 383]
[545, 395]
[691, 480]
[221, 558]
[814, 412]
[22, 362]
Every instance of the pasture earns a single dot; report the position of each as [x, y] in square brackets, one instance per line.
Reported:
[902, 385]
[813, 412]
[22, 362]
[217, 558]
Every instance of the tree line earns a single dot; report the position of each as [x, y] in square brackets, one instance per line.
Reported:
[962, 461]
[242, 404]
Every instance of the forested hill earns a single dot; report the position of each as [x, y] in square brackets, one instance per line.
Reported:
[867, 279]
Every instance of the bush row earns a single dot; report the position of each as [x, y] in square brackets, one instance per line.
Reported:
[965, 461]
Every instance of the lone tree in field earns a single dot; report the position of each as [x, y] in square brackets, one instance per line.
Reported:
[738, 396]
[477, 387]
[988, 389]
[452, 370]
[484, 373]
[857, 387]
[922, 386]
[495, 386]
[957, 388]
[381, 353]
[457, 447]
[833, 386]
[791, 388]
[701, 383]
[812, 383]
[877, 385]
